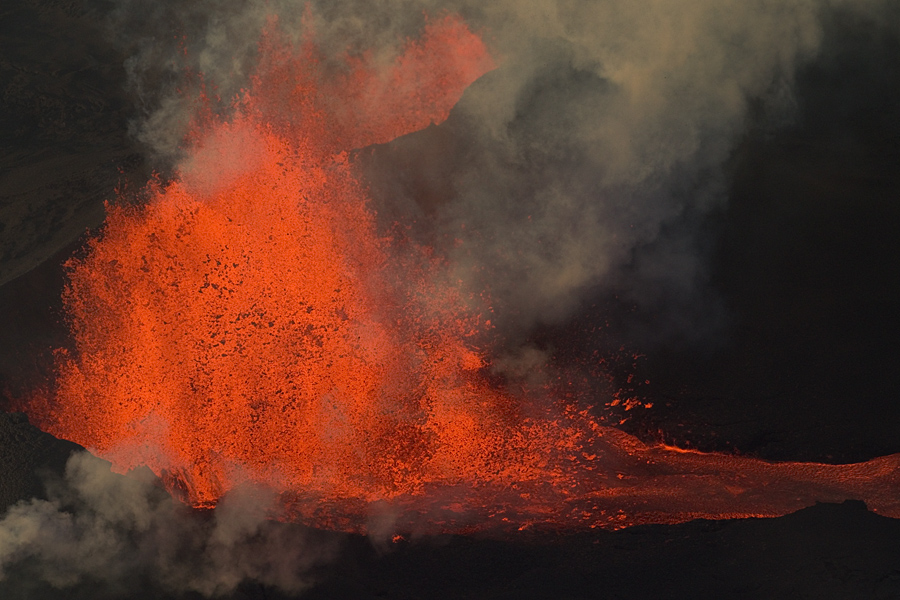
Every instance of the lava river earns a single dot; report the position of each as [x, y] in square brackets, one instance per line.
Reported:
[249, 323]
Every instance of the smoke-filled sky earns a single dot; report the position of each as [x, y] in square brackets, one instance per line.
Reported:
[582, 164]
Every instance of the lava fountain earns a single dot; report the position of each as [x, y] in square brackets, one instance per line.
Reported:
[248, 323]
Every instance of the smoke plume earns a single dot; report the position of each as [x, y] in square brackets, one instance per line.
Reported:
[113, 534]
[583, 165]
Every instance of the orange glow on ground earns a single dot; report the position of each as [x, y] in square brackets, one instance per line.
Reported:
[249, 324]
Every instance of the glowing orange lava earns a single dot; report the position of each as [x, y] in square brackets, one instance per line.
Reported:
[248, 323]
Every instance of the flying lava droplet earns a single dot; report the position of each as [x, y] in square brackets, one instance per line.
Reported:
[248, 323]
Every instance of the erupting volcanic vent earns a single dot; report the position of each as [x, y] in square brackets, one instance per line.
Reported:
[249, 323]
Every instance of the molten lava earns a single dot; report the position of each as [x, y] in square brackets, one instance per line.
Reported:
[249, 324]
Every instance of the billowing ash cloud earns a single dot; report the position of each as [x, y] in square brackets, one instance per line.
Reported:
[611, 123]
[582, 165]
[111, 535]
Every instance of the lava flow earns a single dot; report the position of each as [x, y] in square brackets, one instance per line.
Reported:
[248, 323]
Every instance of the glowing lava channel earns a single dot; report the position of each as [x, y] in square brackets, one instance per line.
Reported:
[249, 324]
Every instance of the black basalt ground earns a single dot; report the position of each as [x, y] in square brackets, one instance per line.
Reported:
[28, 454]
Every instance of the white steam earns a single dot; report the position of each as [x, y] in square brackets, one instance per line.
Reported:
[110, 532]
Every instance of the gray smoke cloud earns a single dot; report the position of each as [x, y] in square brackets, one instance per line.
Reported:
[112, 534]
[583, 164]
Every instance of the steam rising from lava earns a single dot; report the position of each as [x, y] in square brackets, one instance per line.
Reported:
[582, 163]
[119, 533]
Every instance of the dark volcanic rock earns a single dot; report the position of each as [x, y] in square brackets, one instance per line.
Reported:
[63, 128]
[826, 551]
[27, 455]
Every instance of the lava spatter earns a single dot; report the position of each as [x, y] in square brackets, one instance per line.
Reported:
[249, 322]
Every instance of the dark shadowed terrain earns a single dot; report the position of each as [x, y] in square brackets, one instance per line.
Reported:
[802, 363]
